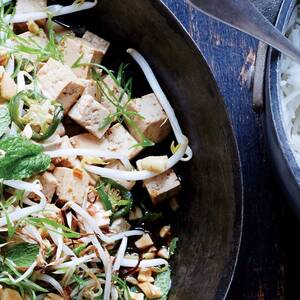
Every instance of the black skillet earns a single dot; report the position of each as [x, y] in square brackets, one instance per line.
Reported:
[209, 222]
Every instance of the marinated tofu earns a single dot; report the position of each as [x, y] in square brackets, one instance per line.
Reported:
[112, 91]
[90, 114]
[29, 6]
[73, 184]
[91, 89]
[97, 42]
[86, 141]
[163, 186]
[151, 120]
[77, 49]
[40, 39]
[116, 139]
[57, 81]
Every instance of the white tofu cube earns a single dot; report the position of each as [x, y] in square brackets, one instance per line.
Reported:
[117, 165]
[65, 161]
[86, 141]
[29, 6]
[58, 82]
[49, 184]
[109, 88]
[90, 114]
[154, 123]
[163, 186]
[95, 40]
[40, 38]
[116, 139]
[91, 89]
[73, 184]
[75, 48]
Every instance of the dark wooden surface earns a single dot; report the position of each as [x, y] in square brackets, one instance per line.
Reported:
[269, 262]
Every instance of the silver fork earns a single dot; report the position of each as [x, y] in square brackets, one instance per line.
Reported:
[243, 15]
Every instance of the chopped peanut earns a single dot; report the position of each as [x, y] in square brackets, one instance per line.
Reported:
[165, 231]
[8, 87]
[10, 294]
[144, 242]
[163, 253]
[145, 275]
[151, 291]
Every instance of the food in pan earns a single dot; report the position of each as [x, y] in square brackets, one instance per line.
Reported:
[80, 200]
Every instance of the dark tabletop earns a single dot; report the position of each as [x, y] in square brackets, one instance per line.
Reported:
[269, 262]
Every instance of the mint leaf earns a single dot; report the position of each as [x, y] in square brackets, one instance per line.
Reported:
[173, 246]
[4, 119]
[163, 281]
[21, 158]
[23, 255]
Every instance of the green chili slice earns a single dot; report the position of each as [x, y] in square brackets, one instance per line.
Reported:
[42, 114]
[115, 197]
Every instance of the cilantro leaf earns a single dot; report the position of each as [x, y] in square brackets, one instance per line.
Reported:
[4, 119]
[163, 281]
[21, 158]
[23, 255]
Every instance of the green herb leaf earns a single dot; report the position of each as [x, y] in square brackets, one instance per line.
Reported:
[173, 245]
[66, 232]
[163, 281]
[22, 158]
[4, 119]
[23, 255]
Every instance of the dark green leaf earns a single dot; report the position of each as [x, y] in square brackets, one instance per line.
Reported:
[4, 119]
[22, 158]
[23, 255]
[163, 281]
[173, 245]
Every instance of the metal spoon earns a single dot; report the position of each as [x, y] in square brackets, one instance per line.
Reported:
[243, 15]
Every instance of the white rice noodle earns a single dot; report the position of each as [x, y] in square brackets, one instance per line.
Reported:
[290, 90]
[108, 273]
[54, 10]
[129, 233]
[76, 261]
[26, 274]
[68, 276]
[89, 220]
[91, 152]
[52, 281]
[24, 212]
[58, 241]
[120, 254]
[146, 263]
[114, 293]
[10, 68]
[34, 233]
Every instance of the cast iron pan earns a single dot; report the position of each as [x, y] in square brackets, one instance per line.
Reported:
[209, 222]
